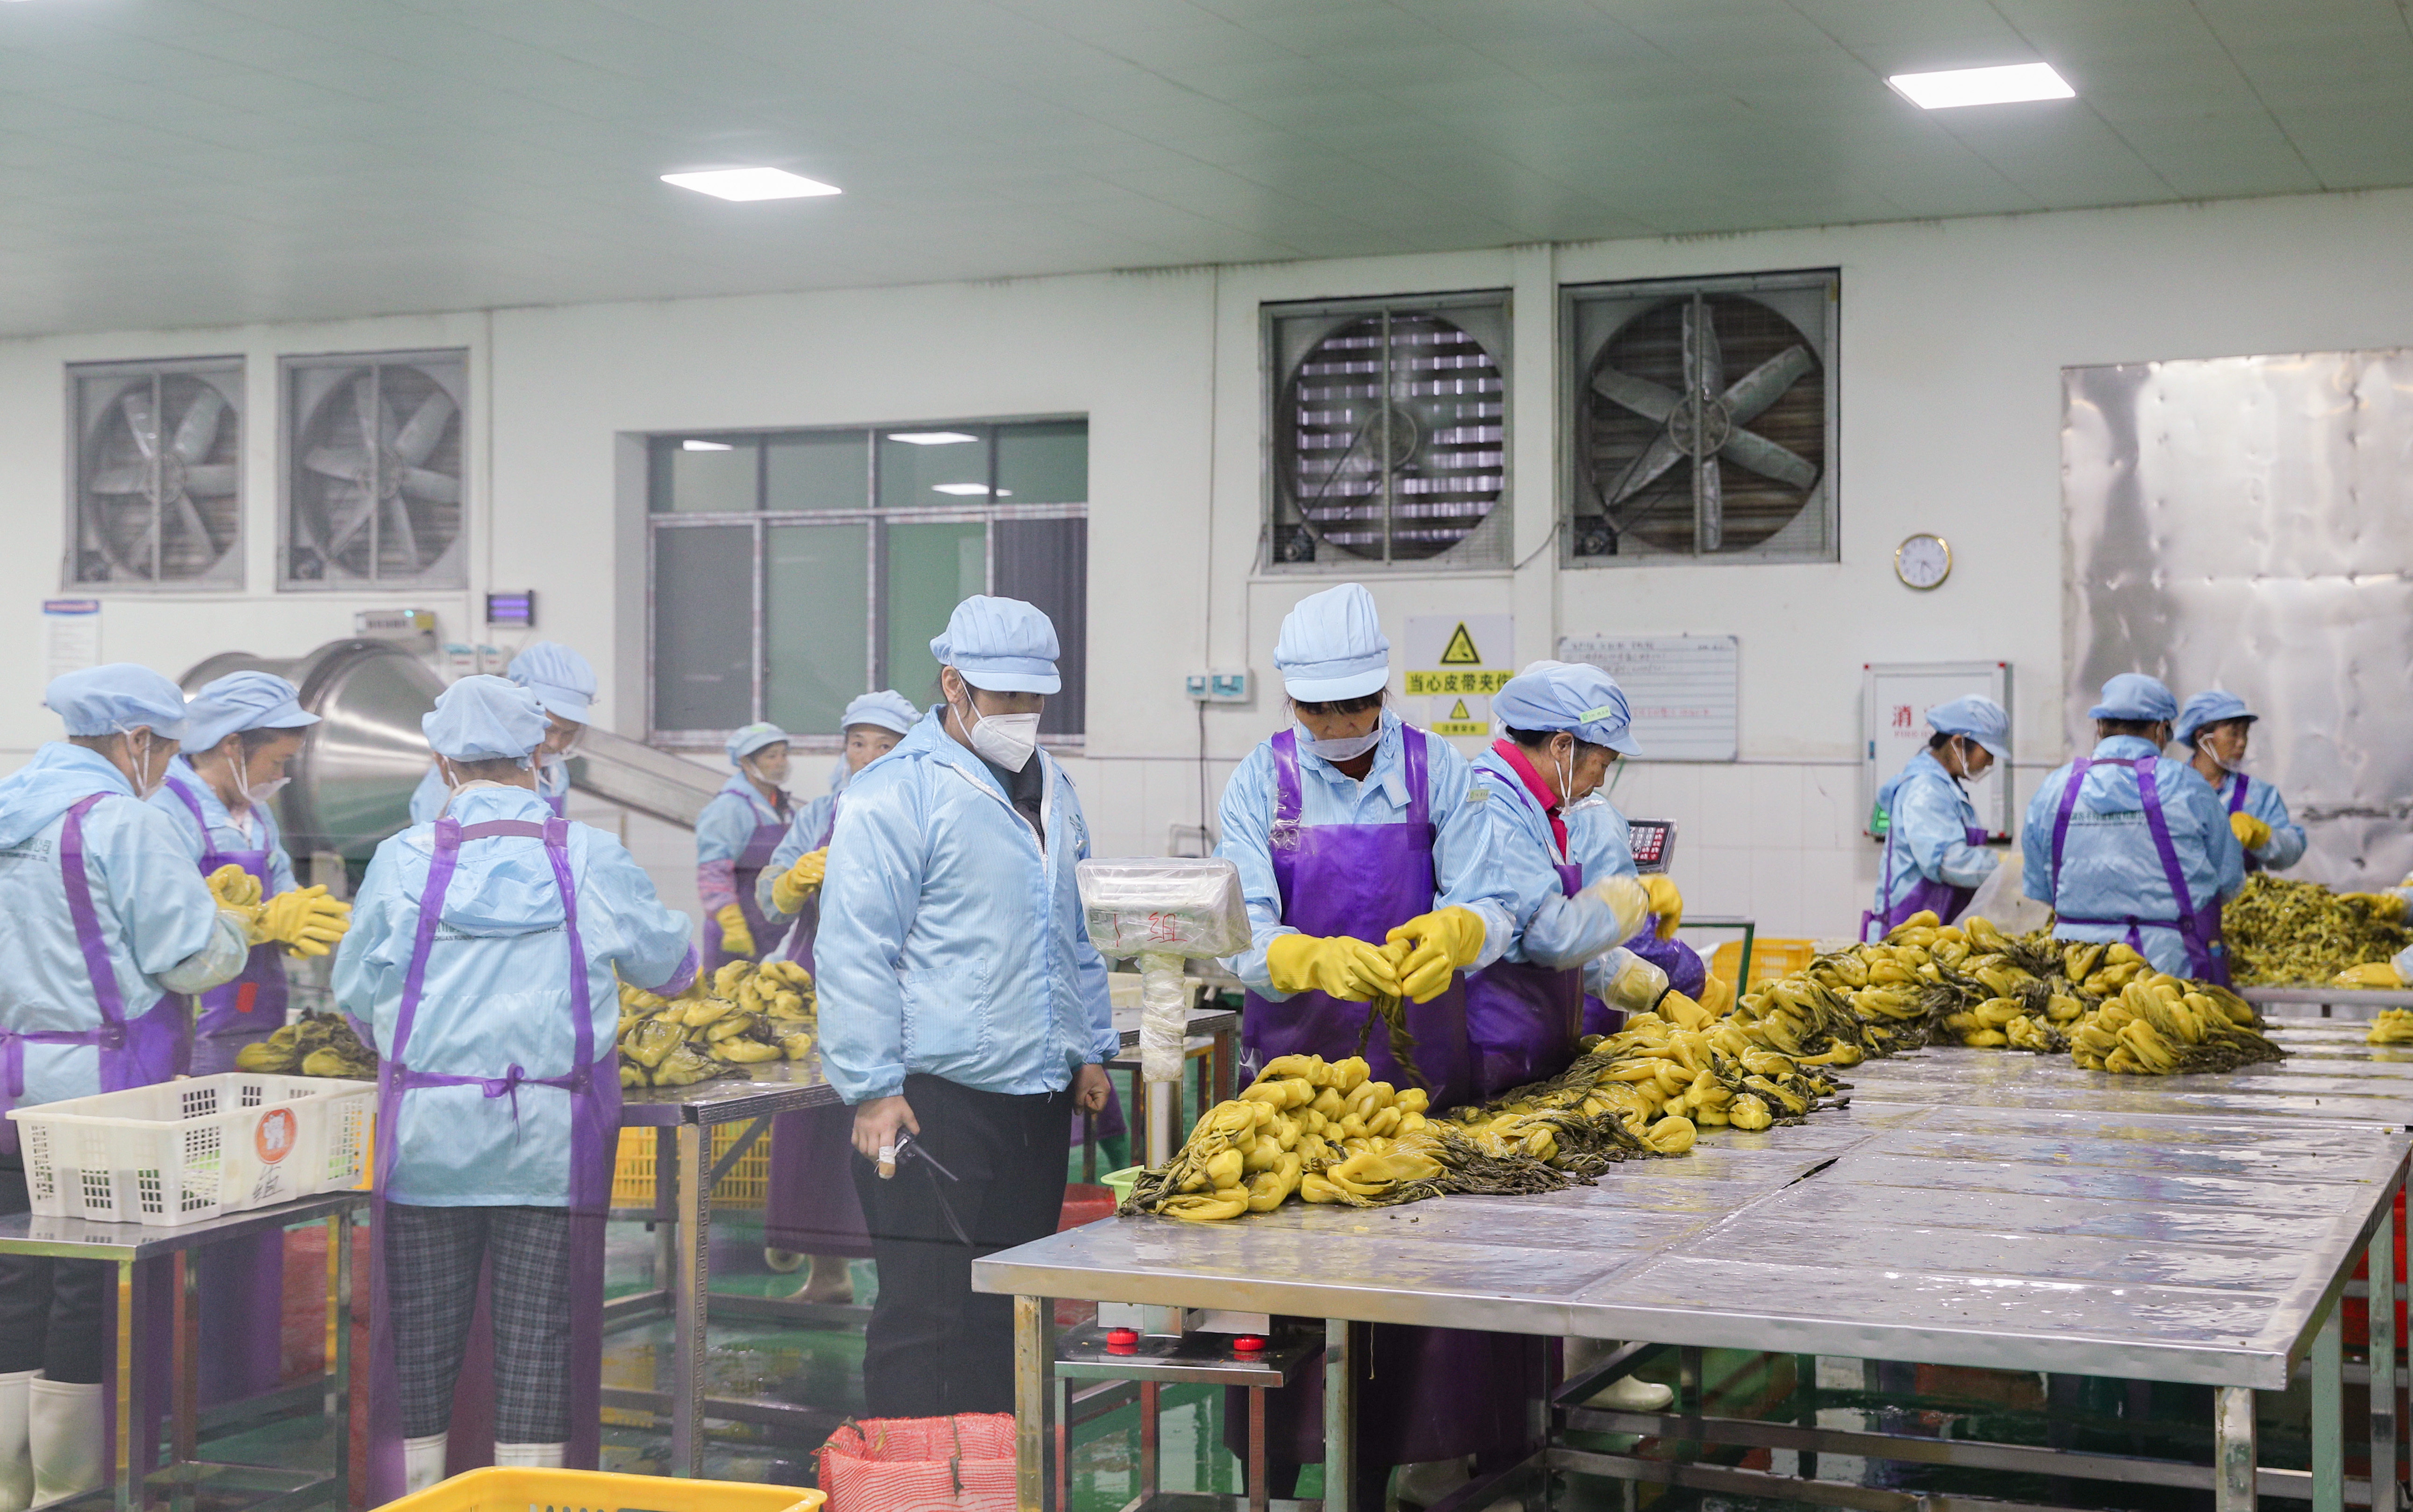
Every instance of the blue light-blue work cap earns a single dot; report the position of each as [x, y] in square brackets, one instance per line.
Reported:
[745, 741]
[1002, 645]
[2134, 696]
[243, 700]
[111, 699]
[1574, 696]
[1332, 647]
[559, 677]
[1979, 718]
[2210, 707]
[485, 719]
[886, 709]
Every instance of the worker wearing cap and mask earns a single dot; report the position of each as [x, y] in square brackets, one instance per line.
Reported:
[487, 950]
[2127, 846]
[735, 838]
[107, 919]
[563, 683]
[1365, 859]
[962, 1007]
[2214, 727]
[809, 1207]
[243, 728]
[1934, 858]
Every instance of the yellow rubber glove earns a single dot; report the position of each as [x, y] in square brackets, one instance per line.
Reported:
[1341, 965]
[2388, 907]
[2251, 832]
[736, 939]
[305, 921]
[234, 888]
[791, 887]
[1445, 940]
[2370, 973]
[1665, 902]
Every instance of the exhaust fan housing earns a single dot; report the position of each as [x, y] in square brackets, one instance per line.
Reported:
[156, 467]
[373, 469]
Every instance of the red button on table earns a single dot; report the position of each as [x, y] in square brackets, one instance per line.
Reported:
[1122, 1340]
[1248, 1344]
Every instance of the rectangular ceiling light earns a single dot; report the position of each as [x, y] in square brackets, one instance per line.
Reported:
[968, 489]
[1983, 86]
[930, 438]
[750, 183]
[706, 446]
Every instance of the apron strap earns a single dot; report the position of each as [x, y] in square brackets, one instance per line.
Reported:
[1411, 751]
[557, 850]
[87, 918]
[2237, 793]
[1282, 840]
[2061, 821]
[2160, 825]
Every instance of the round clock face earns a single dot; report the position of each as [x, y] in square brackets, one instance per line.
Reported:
[1923, 561]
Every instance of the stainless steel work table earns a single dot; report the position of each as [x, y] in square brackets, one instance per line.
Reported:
[685, 1172]
[179, 1482]
[2197, 1249]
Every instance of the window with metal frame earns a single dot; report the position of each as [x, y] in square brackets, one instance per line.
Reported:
[789, 572]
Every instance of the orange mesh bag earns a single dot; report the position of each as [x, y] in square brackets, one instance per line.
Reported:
[964, 1464]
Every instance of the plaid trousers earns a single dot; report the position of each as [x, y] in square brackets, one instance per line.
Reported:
[432, 1258]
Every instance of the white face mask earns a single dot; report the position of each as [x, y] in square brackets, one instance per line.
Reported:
[2204, 743]
[145, 783]
[1346, 748]
[1006, 740]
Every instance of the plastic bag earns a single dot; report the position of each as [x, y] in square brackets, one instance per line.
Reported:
[1164, 904]
[2001, 903]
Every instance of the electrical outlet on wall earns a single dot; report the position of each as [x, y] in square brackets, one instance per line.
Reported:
[1217, 687]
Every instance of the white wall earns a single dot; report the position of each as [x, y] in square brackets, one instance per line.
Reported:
[1953, 335]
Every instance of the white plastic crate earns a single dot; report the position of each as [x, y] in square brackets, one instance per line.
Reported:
[184, 1150]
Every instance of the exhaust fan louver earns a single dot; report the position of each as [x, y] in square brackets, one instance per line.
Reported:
[373, 470]
[1703, 420]
[1388, 432]
[158, 464]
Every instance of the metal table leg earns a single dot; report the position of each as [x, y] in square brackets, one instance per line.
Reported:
[1805, 1410]
[665, 1209]
[339, 1325]
[1030, 1405]
[185, 1423]
[129, 1393]
[1340, 1419]
[2383, 1361]
[1259, 1494]
[1151, 1445]
[689, 1306]
[2232, 1449]
[2329, 1418]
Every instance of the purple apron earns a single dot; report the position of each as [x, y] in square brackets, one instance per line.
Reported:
[1423, 1393]
[2237, 805]
[243, 1280]
[1926, 893]
[767, 935]
[809, 1206]
[594, 1088]
[1522, 1020]
[141, 1053]
[2199, 928]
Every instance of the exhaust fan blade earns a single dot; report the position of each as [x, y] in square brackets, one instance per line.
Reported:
[403, 539]
[432, 487]
[212, 478]
[1766, 384]
[1709, 505]
[367, 409]
[139, 420]
[418, 437]
[198, 430]
[1640, 395]
[349, 464]
[1661, 454]
[1705, 360]
[191, 518]
[121, 480]
[1764, 457]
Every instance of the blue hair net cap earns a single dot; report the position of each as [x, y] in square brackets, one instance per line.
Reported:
[887, 709]
[2134, 696]
[1002, 645]
[745, 741]
[485, 719]
[243, 700]
[561, 679]
[106, 700]
[1574, 696]
[1332, 646]
[2210, 707]
[1979, 718]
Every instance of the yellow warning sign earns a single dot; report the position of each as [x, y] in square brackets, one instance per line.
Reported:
[1461, 651]
[1459, 712]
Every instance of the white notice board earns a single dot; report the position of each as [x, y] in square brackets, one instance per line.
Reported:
[1685, 690]
[1894, 700]
[1456, 663]
[70, 636]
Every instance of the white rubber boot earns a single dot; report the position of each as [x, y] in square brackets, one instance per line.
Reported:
[423, 1461]
[1628, 1394]
[530, 1456]
[16, 1457]
[1422, 1484]
[64, 1424]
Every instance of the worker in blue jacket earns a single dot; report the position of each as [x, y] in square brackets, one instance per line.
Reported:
[1934, 856]
[563, 683]
[108, 919]
[2126, 844]
[2214, 727]
[963, 1007]
[735, 836]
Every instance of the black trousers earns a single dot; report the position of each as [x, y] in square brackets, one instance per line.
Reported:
[51, 1311]
[935, 1347]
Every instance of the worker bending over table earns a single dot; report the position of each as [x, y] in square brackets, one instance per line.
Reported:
[735, 838]
[1365, 859]
[107, 919]
[2127, 846]
[1935, 856]
[963, 1009]
[486, 951]
[2215, 727]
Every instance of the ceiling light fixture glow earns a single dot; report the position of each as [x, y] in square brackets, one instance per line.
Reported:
[706, 446]
[968, 489]
[930, 438]
[750, 183]
[1956, 87]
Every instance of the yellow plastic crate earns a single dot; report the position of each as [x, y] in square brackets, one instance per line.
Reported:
[743, 1186]
[1770, 959]
[594, 1490]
